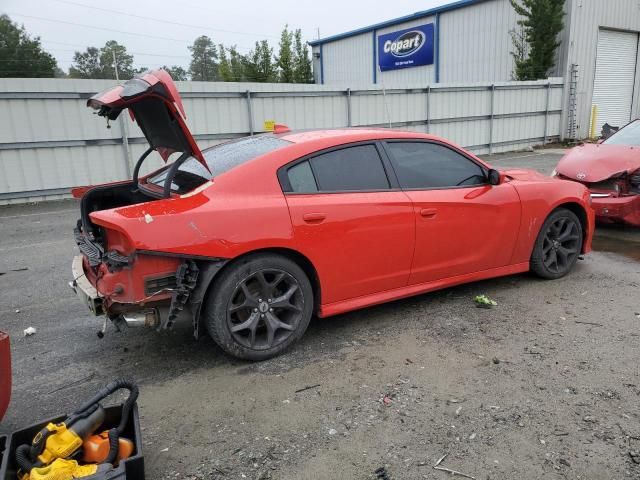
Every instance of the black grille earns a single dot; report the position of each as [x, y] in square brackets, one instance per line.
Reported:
[155, 285]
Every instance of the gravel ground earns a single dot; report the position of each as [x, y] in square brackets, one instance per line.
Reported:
[545, 385]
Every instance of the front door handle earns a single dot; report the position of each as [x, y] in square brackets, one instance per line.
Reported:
[314, 217]
[428, 212]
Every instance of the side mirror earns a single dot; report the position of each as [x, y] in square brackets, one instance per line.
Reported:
[495, 177]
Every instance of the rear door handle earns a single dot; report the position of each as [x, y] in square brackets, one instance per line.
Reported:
[314, 217]
[428, 212]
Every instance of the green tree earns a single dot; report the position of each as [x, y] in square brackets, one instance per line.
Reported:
[86, 64]
[285, 61]
[22, 55]
[98, 63]
[258, 64]
[302, 72]
[224, 67]
[236, 60]
[542, 21]
[178, 73]
[204, 60]
[124, 61]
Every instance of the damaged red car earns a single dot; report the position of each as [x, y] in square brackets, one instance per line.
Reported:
[610, 170]
[248, 239]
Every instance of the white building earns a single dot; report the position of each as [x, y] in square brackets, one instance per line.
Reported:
[470, 41]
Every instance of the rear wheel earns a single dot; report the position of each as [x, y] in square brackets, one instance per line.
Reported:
[558, 245]
[259, 306]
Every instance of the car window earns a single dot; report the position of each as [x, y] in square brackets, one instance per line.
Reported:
[348, 169]
[301, 178]
[220, 159]
[422, 165]
[629, 135]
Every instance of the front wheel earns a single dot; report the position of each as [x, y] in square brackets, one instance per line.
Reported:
[558, 245]
[259, 306]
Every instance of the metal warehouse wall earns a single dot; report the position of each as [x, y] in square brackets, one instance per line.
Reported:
[474, 46]
[586, 17]
[348, 61]
[49, 141]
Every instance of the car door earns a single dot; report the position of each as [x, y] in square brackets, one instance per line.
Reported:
[463, 224]
[357, 230]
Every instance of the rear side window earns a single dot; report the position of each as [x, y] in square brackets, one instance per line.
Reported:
[301, 178]
[354, 168]
[421, 165]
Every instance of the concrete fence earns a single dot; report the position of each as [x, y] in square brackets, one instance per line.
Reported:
[50, 142]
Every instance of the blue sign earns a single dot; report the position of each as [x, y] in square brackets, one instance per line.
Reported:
[411, 47]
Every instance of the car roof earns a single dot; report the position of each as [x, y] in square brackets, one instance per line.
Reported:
[354, 134]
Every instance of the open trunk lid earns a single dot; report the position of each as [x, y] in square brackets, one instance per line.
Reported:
[155, 104]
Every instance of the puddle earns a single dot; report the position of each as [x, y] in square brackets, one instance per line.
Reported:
[628, 245]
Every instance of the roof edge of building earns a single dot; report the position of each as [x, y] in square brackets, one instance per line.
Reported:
[413, 16]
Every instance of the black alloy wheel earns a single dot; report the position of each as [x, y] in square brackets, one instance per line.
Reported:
[558, 245]
[259, 306]
[265, 309]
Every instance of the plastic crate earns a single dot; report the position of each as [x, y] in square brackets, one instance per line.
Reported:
[130, 469]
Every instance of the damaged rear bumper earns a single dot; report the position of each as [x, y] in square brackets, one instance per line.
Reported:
[83, 288]
[610, 209]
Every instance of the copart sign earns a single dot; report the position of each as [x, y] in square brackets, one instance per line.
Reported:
[411, 47]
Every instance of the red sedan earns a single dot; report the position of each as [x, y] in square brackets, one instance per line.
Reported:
[611, 171]
[248, 239]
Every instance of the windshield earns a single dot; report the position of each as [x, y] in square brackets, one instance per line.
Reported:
[629, 135]
[220, 159]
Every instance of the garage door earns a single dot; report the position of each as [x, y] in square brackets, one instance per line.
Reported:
[615, 76]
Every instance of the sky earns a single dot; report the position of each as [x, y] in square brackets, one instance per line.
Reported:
[158, 32]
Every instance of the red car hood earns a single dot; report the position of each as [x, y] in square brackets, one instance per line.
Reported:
[594, 163]
[154, 102]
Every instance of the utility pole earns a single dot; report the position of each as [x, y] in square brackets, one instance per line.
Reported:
[123, 125]
[115, 64]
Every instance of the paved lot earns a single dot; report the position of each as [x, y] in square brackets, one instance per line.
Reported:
[546, 385]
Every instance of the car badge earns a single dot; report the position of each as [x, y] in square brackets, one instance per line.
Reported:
[581, 176]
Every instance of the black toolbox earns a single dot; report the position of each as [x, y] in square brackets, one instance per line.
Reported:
[130, 469]
[4, 443]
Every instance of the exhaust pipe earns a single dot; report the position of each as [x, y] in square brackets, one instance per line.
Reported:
[141, 319]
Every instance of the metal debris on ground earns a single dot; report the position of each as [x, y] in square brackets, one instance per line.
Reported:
[448, 470]
[307, 388]
[482, 301]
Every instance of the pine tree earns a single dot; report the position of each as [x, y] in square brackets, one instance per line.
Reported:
[224, 67]
[285, 61]
[22, 55]
[258, 64]
[542, 21]
[124, 61]
[302, 72]
[236, 61]
[204, 60]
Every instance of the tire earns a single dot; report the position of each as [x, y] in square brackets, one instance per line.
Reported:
[558, 245]
[259, 306]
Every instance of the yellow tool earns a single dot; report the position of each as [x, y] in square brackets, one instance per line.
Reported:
[55, 450]
[61, 469]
